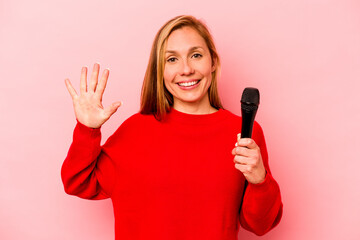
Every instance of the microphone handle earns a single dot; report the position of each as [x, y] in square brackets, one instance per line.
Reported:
[248, 118]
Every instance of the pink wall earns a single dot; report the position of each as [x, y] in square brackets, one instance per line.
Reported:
[304, 56]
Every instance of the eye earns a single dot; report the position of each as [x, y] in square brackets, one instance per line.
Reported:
[172, 59]
[197, 55]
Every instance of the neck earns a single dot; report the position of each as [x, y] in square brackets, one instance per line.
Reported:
[194, 108]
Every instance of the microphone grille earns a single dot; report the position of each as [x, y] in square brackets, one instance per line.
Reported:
[250, 96]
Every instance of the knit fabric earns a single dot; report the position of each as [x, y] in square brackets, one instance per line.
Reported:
[173, 179]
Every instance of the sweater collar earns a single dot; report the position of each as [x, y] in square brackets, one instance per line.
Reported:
[195, 119]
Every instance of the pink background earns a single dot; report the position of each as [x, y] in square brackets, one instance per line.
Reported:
[304, 56]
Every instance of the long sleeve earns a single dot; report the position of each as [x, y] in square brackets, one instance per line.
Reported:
[87, 171]
[172, 179]
[262, 207]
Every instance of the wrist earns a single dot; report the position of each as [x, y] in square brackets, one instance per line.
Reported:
[261, 179]
[87, 125]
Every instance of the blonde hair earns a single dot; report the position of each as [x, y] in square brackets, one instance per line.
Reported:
[155, 98]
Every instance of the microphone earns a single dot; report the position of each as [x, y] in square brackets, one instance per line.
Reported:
[250, 100]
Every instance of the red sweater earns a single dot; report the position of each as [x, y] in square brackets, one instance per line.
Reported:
[173, 179]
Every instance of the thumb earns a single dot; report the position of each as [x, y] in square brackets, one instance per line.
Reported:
[110, 110]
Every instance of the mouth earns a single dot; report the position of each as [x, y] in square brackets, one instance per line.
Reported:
[188, 84]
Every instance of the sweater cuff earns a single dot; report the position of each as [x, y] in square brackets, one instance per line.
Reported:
[266, 195]
[83, 132]
[265, 186]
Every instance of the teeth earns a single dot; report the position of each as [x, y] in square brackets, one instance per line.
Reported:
[188, 84]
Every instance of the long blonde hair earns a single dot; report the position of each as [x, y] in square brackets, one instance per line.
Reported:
[155, 98]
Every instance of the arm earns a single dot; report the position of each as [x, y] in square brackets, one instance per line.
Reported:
[87, 171]
[262, 207]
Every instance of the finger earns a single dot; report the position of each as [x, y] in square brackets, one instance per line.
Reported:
[247, 142]
[70, 88]
[110, 110]
[102, 83]
[241, 160]
[242, 151]
[245, 169]
[94, 77]
[83, 83]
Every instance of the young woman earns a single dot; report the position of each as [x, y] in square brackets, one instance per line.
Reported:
[172, 170]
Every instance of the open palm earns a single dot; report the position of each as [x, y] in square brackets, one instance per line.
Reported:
[87, 106]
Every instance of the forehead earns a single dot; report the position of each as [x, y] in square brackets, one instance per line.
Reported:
[185, 38]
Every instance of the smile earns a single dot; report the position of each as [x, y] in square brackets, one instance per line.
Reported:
[188, 84]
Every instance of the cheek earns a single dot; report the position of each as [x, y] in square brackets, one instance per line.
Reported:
[206, 67]
[169, 74]
[207, 72]
[168, 77]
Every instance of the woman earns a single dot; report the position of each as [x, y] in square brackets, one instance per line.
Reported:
[169, 169]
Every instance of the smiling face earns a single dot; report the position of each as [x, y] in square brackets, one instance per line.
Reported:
[187, 72]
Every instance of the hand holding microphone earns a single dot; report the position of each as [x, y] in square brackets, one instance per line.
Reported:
[247, 155]
[248, 160]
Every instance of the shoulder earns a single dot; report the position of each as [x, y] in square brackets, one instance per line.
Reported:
[137, 121]
[231, 119]
[231, 116]
[138, 118]
[133, 127]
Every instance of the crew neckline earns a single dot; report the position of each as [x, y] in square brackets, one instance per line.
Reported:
[196, 119]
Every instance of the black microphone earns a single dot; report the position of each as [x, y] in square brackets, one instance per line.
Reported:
[250, 100]
[249, 104]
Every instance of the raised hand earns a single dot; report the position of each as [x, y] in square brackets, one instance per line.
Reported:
[87, 106]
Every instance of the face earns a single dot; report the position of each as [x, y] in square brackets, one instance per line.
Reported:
[188, 68]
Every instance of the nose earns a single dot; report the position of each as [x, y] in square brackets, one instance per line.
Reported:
[187, 68]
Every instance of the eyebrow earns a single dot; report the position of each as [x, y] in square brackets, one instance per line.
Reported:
[190, 50]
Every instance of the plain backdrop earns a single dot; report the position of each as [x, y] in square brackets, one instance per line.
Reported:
[303, 56]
